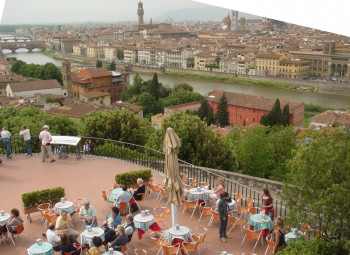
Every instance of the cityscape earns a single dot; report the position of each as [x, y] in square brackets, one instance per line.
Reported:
[258, 112]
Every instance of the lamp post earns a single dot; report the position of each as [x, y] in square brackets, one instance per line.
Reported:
[307, 142]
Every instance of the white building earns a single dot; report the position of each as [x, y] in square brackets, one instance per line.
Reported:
[144, 56]
[131, 55]
[110, 53]
[32, 88]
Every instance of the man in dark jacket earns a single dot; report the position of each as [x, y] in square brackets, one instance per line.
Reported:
[223, 209]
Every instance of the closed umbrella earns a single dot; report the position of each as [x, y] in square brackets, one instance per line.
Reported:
[174, 187]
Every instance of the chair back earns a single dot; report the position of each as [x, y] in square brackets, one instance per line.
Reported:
[115, 186]
[190, 204]
[239, 199]
[215, 214]
[104, 195]
[162, 191]
[185, 178]
[157, 241]
[43, 206]
[123, 248]
[171, 250]
[140, 252]
[252, 210]
[205, 210]
[193, 183]
[250, 234]
[270, 244]
[190, 246]
[143, 196]
[122, 206]
[19, 229]
[250, 202]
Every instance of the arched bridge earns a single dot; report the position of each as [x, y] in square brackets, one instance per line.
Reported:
[13, 46]
[7, 38]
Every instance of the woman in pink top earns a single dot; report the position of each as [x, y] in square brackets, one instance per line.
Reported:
[220, 188]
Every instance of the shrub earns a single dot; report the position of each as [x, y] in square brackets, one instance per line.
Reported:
[131, 177]
[42, 196]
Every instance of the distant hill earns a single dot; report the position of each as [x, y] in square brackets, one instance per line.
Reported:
[202, 13]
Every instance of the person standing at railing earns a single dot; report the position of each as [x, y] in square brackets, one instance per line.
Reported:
[5, 138]
[46, 139]
[26, 137]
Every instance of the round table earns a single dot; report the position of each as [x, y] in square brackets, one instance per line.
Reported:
[86, 236]
[260, 223]
[114, 253]
[183, 233]
[232, 205]
[67, 206]
[198, 194]
[115, 194]
[143, 222]
[293, 236]
[4, 219]
[45, 248]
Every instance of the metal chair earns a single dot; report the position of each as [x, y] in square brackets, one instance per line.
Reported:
[161, 217]
[206, 211]
[192, 205]
[19, 230]
[171, 250]
[214, 216]
[252, 235]
[140, 252]
[191, 246]
[270, 244]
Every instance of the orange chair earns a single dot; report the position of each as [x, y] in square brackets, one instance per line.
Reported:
[191, 246]
[140, 252]
[19, 230]
[239, 200]
[214, 216]
[244, 209]
[171, 250]
[206, 211]
[155, 189]
[236, 221]
[270, 244]
[192, 205]
[123, 249]
[143, 195]
[162, 195]
[50, 218]
[252, 235]
[78, 203]
[157, 241]
[163, 216]
[201, 236]
[115, 186]
[185, 178]
[105, 198]
[192, 185]
[123, 208]
[44, 208]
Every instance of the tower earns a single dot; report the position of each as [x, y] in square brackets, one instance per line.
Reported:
[140, 12]
[234, 21]
[228, 21]
[67, 78]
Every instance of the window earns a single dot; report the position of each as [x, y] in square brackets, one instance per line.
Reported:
[254, 110]
[253, 119]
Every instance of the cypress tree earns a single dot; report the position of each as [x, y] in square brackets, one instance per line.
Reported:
[275, 117]
[286, 115]
[154, 88]
[222, 112]
[205, 112]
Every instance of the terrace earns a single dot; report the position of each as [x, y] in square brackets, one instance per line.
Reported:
[90, 175]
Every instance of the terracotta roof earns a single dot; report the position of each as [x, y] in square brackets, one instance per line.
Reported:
[184, 105]
[76, 110]
[294, 61]
[249, 101]
[34, 85]
[94, 94]
[98, 72]
[12, 78]
[329, 117]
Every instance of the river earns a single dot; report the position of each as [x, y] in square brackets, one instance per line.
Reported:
[204, 86]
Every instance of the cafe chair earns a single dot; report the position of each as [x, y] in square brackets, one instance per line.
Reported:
[44, 208]
[171, 250]
[78, 203]
[19, 229]
[239, 199]
[157, 241]
[140, 252]
[252, 235]
[192, 184]
[105, 199]
[214, 216]
[190, 247]
[244, 209]
[115, 186]
[206, 211]
[163, 216]
[191, 205]
[154, 189]
[123, 207]
[50, 218]
[185, 178]
[201, 237]
[236, 221]
[270, 244]
[143, 195]
[162, 195]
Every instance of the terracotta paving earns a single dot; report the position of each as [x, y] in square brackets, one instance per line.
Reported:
[86, 178]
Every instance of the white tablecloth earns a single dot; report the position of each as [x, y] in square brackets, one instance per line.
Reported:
[232, 205]
[4, 219]
[67, 206]
[143, 222]
[114, 253]
[86, 236]
[195, 194]
[44, 249]
[184, 233]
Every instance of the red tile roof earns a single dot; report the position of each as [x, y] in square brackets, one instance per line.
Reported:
[35, 85]
[98, 72]
[184, 105]
[266, 55]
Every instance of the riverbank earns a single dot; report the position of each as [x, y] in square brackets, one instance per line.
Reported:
[56, 57]
[235, 80]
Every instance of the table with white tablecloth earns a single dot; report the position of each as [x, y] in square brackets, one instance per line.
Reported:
[67, 206]
[114, 253]
[293, 236]
[198, 194]
[44, 248]
[86, 236]
[4, 219]
[183, 233]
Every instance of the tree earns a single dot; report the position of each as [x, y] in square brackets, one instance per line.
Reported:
[199, 144]
[154, 87]
[111, 66]
[98, 63]
[181, 97]
[50, 71]
[120, 54]
[222, 112]
[181, 86]
[16, 66]
[149, 103]
[285, 115]
[134, 89]
[274, 117]
[317, 189]
[205, 112]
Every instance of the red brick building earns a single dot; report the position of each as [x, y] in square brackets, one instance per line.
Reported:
[248, 108]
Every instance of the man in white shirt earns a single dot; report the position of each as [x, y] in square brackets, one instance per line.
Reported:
[5, 138]
[88, 214]
[46, 139]
[124, 196]
[26, 137]
[53, 237]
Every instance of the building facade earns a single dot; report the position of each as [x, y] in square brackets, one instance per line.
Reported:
[294, 68]
[267, 64]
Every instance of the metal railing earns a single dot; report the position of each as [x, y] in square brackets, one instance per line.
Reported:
[153, 159]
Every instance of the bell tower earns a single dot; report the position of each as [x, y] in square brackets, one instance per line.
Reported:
[67, 78]
[140, 12]
[234, 21]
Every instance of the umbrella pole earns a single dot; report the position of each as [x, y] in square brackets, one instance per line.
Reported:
[174, 214]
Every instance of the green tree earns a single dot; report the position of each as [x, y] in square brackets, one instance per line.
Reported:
[50, 71]
[154, 87]
[181, 97]
[98, 63]
[149, 103]
[317, 189]
[205, 112]
[274, 117]
[120, 54]
[286, 115]
[135, 89]
[222, 112]
[114, 124]
[199, 144]
[111, 66]
[17, 66]
[181, 86]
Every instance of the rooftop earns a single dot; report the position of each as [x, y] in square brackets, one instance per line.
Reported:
[34, 85]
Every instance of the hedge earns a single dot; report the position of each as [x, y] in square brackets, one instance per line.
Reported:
[42, 196]
[130, 178]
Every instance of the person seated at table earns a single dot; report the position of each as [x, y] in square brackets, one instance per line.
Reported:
[88, 215]
[15, 221]
[267, 205]
[129, 226]
[121, 239]
[137, 194]
[218, 190]
[280, 231]
[66, 246]
[124, 196]
[99, 248]
[52, 237]
[112, 219]
[63, 225]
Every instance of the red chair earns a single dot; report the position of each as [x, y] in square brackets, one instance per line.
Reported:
[19, 230]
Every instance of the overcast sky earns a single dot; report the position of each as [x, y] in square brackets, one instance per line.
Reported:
[65, 11]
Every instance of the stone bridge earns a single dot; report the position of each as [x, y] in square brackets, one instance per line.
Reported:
[15, 38]
[30, 45]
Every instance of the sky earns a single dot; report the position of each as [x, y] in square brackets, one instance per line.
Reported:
[73, 11]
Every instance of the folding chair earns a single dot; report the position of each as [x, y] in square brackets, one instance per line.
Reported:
[162, 217]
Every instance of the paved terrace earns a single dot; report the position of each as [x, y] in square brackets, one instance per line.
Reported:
[87, 177]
